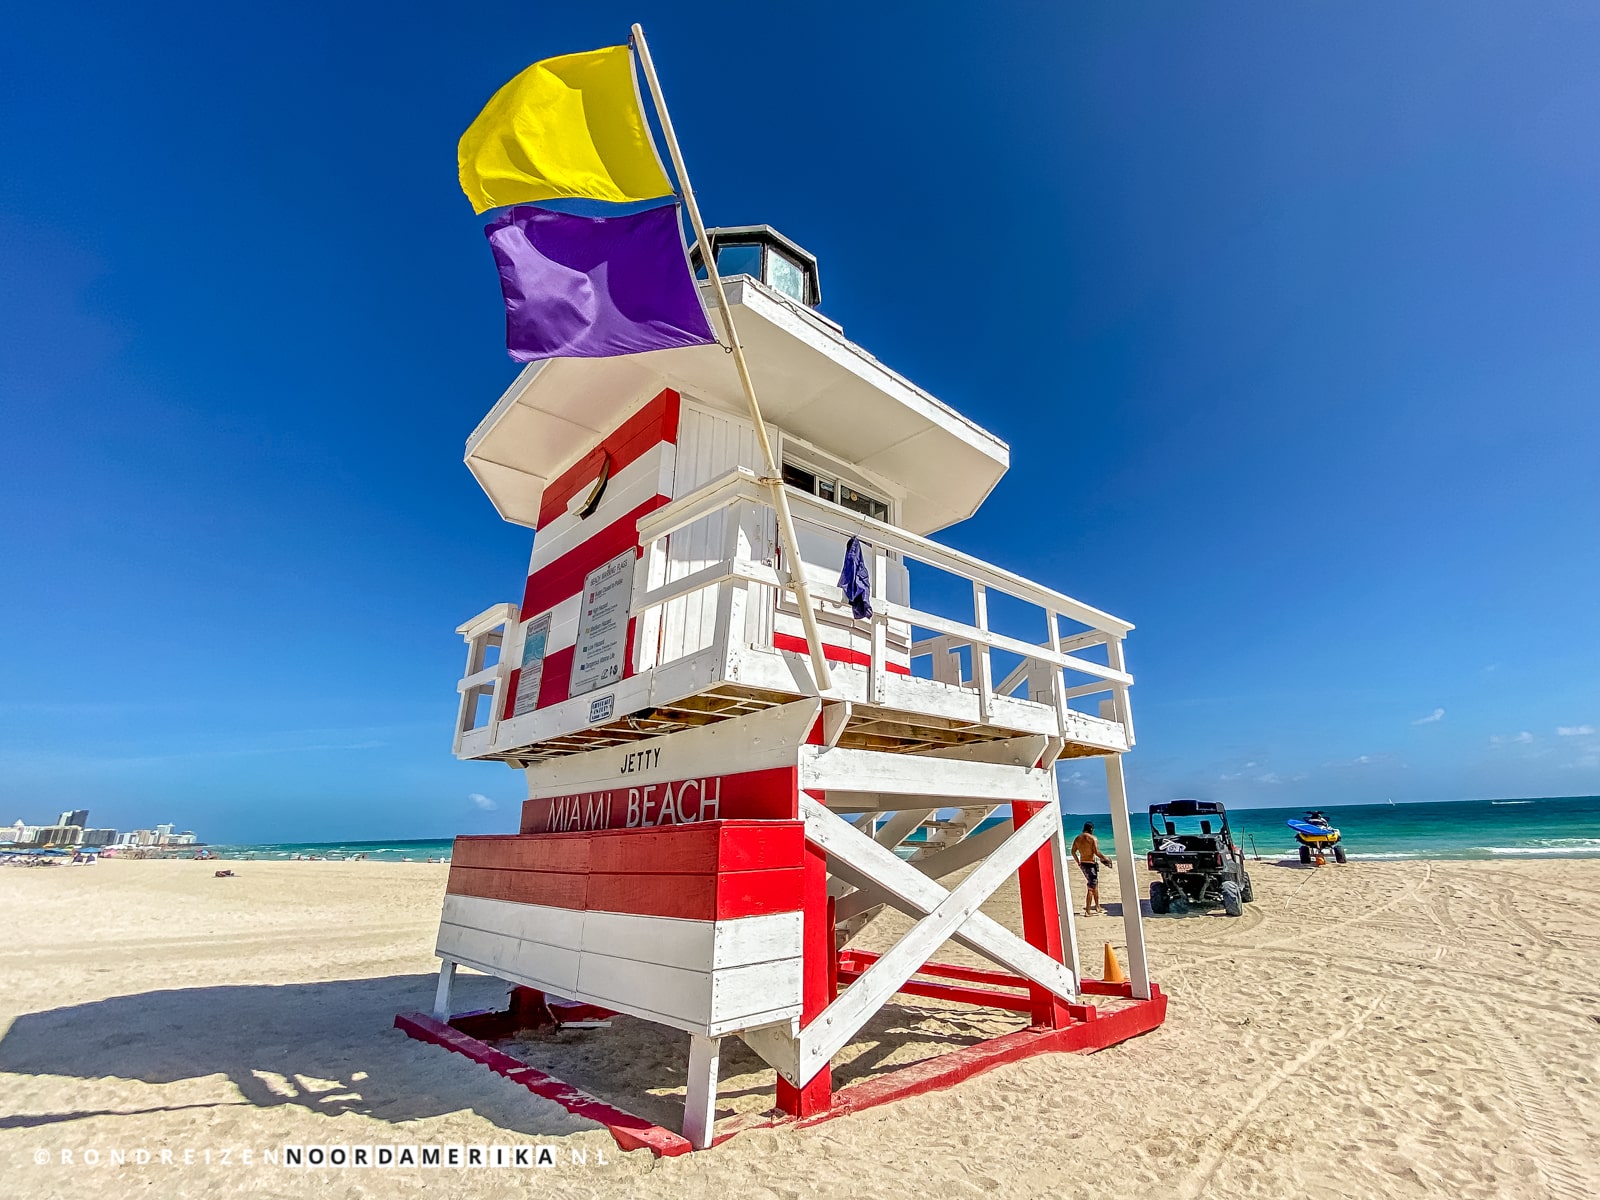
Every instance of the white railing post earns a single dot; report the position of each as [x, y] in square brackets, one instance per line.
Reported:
[1123, 710]
[1058, 679]
[650, 573]
[877, 682]
[981, 678]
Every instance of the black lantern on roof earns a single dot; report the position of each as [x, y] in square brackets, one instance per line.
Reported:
[763, 253]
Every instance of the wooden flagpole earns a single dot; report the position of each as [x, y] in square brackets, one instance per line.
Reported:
[786, 535]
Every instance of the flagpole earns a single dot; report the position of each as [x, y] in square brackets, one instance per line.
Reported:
[780, 501]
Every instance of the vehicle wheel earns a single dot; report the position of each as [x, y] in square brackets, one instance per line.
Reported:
[1232, 904]
[1338, 854]
[1247, 890]
[1305, 856]
[1158, 898]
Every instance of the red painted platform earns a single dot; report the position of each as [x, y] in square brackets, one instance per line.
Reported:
[1081, 1036]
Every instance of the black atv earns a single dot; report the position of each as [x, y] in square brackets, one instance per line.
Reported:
[1197, 859]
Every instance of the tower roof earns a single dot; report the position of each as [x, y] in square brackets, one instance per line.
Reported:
[812, 381]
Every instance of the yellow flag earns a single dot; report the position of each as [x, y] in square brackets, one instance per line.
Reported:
[567, 126]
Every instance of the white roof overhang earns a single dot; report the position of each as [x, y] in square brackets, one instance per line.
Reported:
[811, 381]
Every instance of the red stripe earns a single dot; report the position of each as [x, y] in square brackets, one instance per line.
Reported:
[749, 795]
[551, 888]
[712, 846]
[788, 641]
[705, 897]
[653, 424]
[555, 685]
[509, 851]
[556, 581]
[708, 847]
[698, 897]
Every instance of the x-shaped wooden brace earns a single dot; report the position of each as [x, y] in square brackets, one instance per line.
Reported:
[855, 857]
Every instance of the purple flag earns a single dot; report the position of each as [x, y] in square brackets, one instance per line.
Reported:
[593, 287]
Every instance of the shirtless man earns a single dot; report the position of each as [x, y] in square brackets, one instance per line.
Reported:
[1086, 850]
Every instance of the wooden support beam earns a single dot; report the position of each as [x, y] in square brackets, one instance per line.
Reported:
[700, 1099]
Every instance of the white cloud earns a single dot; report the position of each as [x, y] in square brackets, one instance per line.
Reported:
[1574, 730]
[1360, 760]
[482, 801]
[1436, 715]
[1521, 739]
[1274, 777]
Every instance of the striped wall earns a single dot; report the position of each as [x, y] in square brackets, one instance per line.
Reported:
[641, 455]
[695, 926]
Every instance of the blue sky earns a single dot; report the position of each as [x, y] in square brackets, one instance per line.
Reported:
[1288, 313]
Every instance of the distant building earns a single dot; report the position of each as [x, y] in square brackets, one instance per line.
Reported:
[98, 837]
[75, 816]
[186, 838]
[163, 833]
[58, 835]
[19, 833]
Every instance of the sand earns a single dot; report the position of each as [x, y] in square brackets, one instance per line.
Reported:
[1386, 1029]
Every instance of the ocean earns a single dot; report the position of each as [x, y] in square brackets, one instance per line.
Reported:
[1566, 827]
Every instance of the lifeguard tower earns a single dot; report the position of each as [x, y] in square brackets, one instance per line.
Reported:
[709, 824]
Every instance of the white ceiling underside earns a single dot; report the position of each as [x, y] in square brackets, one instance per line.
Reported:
[811, 382]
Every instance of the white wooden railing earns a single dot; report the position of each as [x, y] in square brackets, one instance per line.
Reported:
[1054, 670]
[490, 630]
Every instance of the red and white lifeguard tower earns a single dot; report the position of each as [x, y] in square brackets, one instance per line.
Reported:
[707, 827]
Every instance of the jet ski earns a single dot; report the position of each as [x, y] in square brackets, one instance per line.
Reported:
[1316, 836]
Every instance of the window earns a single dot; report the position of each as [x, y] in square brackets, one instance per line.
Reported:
[835, 491]
[786, 275]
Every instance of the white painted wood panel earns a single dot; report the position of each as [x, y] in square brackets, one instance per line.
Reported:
[560, 927]
[648, 475]
[707, 1000]
[822, 768]
[695, 945]
[534, 964]
[710, 443]
[770, 738]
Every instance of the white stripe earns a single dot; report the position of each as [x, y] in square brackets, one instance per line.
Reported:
[711, 977]
[646, 476]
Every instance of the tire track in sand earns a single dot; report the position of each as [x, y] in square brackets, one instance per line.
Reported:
[1550, 1132]
[1222, 1142]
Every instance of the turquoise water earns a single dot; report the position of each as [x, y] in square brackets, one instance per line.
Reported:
[383, 851]
[1568, 827]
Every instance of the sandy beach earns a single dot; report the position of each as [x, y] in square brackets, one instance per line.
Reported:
[1387, 1029]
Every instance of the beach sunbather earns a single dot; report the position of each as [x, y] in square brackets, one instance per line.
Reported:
[1086, 850]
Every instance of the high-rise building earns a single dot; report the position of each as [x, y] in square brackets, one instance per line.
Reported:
[75, 816]
[163, 832]
[58, 835]
[98, 837]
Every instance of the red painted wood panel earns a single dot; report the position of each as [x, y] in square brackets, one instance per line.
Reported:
[771, 795]
[709, 847]
[552, 888]
[707, 897]
[555, 683]
[509, 851]
[844, 654]
[819, 970]
[1041, 917]
[556, 581]
[653, 424]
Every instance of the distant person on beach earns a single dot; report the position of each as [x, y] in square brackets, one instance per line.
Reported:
[1086, 850]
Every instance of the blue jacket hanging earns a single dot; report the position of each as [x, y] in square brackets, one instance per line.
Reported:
[856, 580]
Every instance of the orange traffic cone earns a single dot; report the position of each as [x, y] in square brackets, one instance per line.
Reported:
[1113, 969]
